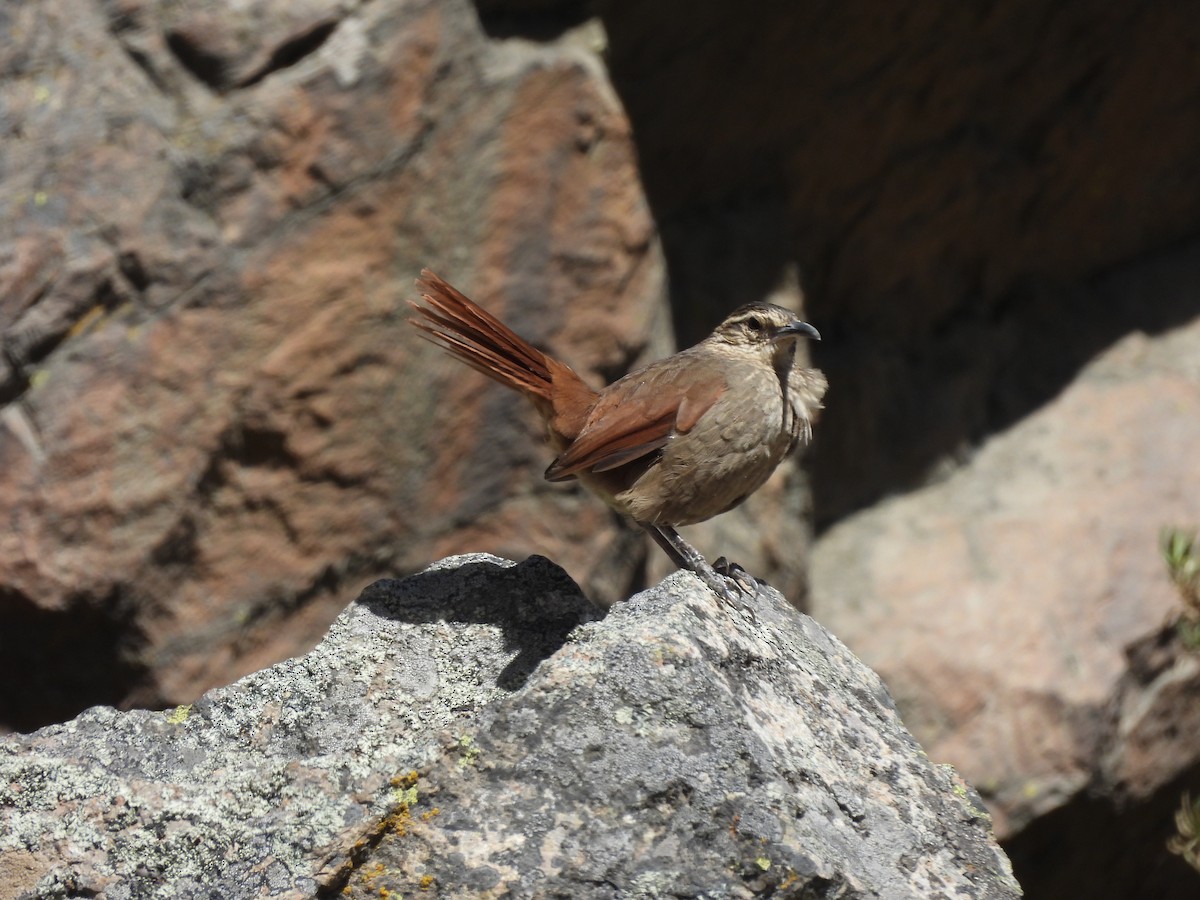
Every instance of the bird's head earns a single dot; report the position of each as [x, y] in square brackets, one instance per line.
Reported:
[763, 326]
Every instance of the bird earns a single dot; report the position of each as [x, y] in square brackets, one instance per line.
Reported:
[676, 442]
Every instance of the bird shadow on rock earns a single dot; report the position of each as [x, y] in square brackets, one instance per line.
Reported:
[535, 603]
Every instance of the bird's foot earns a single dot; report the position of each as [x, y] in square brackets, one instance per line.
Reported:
[732, 585]
[728, 581]
[731, 570]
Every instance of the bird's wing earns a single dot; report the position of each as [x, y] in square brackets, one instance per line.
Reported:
[636, 416]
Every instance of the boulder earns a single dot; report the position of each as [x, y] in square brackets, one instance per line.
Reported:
[481, 729]
[1019, 608]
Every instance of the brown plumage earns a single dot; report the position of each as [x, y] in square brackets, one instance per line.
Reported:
[674, 443]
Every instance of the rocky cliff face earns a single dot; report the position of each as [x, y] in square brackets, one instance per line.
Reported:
[215, 427]
[480, 729]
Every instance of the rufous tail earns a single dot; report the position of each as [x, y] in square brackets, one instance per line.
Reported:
[456, 324]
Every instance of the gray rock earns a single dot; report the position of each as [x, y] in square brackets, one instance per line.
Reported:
[479, 729]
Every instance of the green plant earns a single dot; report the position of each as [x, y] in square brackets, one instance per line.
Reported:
[1181, 551]
[1187, 842]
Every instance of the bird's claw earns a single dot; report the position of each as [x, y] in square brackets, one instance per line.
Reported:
[734, 572]
[733, 585]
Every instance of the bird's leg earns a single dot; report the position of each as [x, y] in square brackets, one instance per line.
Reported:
[668, 548]
[688, 557]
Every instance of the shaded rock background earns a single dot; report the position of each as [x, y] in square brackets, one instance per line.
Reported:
[216, 428]
[457, 734]
[1052, 678]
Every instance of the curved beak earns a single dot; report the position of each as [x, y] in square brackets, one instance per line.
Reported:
[796, 329]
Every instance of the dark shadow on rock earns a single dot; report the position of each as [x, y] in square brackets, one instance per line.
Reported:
[535, 603]
[953, 251]
[1088, 848]
[535, 20]
[55, 663]
[899, 405]
[722, 255]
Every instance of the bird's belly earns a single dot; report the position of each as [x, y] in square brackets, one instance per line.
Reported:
[709, 470]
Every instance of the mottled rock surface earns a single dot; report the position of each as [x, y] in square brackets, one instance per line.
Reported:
[480, 730]
[214, 426]
[1018, 608]
[241, 792]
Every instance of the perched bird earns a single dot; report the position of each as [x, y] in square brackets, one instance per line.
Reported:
[678, 441]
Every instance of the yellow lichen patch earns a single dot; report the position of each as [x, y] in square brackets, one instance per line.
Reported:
[360, 872]
[86, 321]
[1187, 842]
[792, 878]
[404, 789]
[407, 780]
[397, 822]
[469, 751]
[179, 714]
[367, 877]
[406, 797]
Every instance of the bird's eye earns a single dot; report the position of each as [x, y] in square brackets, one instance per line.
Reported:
[754, 323]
